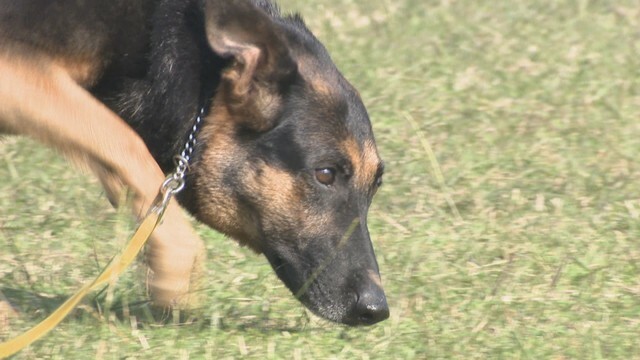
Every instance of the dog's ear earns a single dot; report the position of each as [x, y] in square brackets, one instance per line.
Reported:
[261, 64]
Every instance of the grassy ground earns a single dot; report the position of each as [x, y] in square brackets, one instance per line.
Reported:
[508, 225]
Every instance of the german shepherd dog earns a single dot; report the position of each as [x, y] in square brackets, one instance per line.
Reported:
[285, 161]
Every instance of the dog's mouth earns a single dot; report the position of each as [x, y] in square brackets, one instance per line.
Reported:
[330, 293]
[284, 270]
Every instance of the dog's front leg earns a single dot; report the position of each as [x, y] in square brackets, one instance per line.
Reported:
[175, 253]
[41, 100]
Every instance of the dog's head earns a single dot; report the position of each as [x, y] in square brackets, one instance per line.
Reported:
[288, 164]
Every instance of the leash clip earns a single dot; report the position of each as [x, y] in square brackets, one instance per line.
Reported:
[175, 182]
[172, 185]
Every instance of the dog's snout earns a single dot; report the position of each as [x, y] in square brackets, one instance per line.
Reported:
[370, 306]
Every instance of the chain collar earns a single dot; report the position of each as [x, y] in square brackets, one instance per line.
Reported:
[174, 183]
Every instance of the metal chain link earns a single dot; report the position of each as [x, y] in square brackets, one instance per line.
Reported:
[174, 183]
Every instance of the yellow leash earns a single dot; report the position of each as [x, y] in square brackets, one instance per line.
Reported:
[115, 267]
[173, 184]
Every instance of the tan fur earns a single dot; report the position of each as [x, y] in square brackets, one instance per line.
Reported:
[276, 190]
[241, 75]
[365, 161]
[322, 85]
[274, 187]
[253, 98]
[365, 158]
[267, 102]
[216, 206]
[84, 72]
[43, 100]
[371, 161]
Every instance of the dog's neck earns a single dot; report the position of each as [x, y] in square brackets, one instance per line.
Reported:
[181, 77]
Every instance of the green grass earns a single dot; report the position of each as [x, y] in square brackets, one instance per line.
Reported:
[526, 247]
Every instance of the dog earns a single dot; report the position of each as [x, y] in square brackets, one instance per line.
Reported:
[285, 160]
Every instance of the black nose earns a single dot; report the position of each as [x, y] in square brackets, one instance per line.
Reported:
[370, 307]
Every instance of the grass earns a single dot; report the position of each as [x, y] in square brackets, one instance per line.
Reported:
[508, 225]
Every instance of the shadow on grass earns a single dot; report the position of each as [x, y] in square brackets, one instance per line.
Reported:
[37, 306]
[33, 306]
[28, 302]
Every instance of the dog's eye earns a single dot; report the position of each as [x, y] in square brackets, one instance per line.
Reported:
[326, 176]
